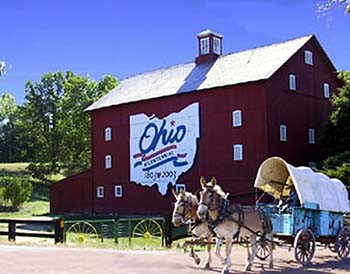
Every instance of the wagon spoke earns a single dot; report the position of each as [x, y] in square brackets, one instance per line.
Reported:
[342, 242]
[148, 229]
[304, 246]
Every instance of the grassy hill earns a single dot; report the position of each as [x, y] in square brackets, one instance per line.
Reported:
[39, 200]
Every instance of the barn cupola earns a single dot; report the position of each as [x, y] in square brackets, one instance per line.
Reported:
[209, 46]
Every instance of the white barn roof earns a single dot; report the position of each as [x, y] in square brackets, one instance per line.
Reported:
[235, 68]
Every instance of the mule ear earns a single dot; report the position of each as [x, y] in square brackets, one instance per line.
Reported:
[213, 181]
[202, 181]
[174, 193]
[182, 193]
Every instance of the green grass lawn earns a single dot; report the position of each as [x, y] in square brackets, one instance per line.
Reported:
[13, 168]
[38, 203]
[29, 209]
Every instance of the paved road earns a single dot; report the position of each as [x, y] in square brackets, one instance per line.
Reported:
[60, 260]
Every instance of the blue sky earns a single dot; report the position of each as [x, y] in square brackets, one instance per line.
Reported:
[124, 38]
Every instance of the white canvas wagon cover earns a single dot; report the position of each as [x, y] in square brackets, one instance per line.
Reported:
[275, 176]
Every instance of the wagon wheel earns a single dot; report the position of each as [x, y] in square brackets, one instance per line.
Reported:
[148, 229]
[81, 233]
[263, 249]
[343, 242]
[304, 246]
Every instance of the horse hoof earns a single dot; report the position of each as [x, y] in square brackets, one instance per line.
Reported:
[248, 268]
[207, 266]
[225, 271]
[197, 261]
[271, 266]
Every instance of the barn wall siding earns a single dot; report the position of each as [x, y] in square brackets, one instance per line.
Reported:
[215, 146]
[301, 109]
[72, 195]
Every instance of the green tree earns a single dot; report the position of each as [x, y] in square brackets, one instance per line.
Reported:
[324, 8]
[79, 93]
[7, 108]
[54, 124]
[10, 150]
[39, 115]
[337, 138]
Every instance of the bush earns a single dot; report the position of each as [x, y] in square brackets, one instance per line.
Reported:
[338, 166]
[16, 192]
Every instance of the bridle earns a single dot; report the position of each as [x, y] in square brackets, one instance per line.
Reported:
[186, 204]
[212, 193]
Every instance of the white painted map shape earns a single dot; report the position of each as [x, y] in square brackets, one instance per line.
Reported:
[162, 149]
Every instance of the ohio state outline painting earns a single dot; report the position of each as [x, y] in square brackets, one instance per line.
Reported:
[161, 149]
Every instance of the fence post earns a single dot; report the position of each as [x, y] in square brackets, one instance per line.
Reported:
[59, 228]
[12, 231]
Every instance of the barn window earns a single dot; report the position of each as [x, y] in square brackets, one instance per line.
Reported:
[108, 161]
[100, 192]
[204, 45]
[311, 136]
[217, 46]
[238, 152]
[308, 57]
[292, 82]
[283, 133]
[237, 118]
[326, 91]
[178, 187]
[108, 134]
[118, 191]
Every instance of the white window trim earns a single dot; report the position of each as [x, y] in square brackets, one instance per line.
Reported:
[217, 45]
[180, 186]
[311, 136]
[237, 118]
[205, 45]
[100, 192]
[108, 161]
[309, 60]
[108, 134]
[326, 90]
[283, 133]
[118, 191]
[238, 152]
[292, 82]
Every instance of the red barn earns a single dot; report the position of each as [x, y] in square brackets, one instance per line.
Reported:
[221, 116]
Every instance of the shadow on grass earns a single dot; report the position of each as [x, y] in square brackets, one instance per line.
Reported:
[7, 209]
[40, 192]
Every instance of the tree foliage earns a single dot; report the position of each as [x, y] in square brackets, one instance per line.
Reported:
[329, 4]
[53, 122]
[10, 149]
[337, 138]
[2, 68]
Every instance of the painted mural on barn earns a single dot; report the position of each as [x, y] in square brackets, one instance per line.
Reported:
[162, 149]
